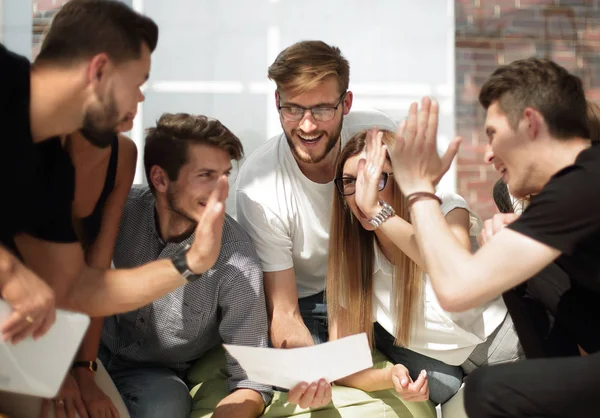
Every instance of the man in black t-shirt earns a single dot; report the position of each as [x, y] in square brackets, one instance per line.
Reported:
[92, 64]
[539, 141]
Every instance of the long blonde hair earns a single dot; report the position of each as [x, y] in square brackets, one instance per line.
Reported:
[351, 261]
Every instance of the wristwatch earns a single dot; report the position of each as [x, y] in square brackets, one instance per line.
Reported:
[90, 365]
[384, 214]
[180, 262]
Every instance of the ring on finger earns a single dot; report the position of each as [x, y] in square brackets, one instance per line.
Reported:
[59, 402]
[30, 319]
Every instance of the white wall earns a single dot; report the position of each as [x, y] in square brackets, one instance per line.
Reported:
[212, 58]
[16, 25]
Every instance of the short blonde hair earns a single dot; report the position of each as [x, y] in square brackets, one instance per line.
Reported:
[302, 66]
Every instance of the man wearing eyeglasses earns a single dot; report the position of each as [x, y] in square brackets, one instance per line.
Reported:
[284, 192]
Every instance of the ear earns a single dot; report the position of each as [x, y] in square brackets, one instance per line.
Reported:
[348, 102]
[277, 99]
[533, 120]
[97, 68]
[159, 179]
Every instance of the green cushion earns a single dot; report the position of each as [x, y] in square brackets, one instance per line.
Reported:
[207, 378]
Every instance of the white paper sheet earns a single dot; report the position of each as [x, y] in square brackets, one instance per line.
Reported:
[286, 368]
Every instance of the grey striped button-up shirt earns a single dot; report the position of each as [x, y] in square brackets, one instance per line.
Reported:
[226, 304]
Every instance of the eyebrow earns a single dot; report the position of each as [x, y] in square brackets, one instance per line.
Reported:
[291, 104]
[211, 170]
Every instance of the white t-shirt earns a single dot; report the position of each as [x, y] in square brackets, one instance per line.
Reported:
[448, 337]
[286, 214]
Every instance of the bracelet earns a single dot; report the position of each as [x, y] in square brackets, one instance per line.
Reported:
[415, 197]
[384, 214]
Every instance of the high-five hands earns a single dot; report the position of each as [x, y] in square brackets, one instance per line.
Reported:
[205, 250]
[415, 160]
[369, 173]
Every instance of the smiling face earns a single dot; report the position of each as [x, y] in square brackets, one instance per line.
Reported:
[511, 152]
[387, 194]
[187, 196]
[309, 139]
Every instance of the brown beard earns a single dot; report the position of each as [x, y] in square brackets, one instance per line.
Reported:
[332, 141]
[99, 127]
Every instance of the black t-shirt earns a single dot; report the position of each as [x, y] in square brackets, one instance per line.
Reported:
[38, 180]
[566, 215]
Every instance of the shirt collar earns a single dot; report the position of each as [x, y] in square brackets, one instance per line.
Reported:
[380, 262]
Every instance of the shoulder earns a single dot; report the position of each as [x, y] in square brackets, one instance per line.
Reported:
[127, 156]
[452, 201]
[139, 200]
[263, 158]
[363, 119]
[263, 170]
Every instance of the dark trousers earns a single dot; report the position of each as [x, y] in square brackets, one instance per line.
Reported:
[566, 387]
[313, 310]
[540, 314]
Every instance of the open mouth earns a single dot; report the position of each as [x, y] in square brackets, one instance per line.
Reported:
[310, 139]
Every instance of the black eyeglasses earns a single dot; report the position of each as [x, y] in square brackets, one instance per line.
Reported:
[321, 113]
[347, 185]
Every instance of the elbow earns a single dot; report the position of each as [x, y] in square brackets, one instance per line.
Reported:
[453, 299]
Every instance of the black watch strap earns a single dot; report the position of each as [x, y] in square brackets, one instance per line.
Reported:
[180, 262]
[90, 365]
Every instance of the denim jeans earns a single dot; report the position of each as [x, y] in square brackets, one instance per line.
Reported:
[149, 392]
[313, 310]
[443, 379]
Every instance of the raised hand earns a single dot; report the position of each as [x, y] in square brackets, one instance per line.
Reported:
[415, 160]
[205, 250]
[369, 174]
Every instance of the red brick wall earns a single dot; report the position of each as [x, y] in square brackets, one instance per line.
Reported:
[491, 33]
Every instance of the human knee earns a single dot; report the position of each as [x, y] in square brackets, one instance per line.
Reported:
[443, 386]
[171, 398]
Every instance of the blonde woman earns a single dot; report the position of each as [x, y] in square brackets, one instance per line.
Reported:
[376, 283]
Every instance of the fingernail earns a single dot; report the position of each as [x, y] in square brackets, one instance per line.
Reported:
[423, 373]
[403, 382]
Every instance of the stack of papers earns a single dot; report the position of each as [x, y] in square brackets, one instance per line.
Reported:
[286, 368]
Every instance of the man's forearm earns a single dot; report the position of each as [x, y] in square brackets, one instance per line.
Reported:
[101, 292]
[448, 262]
[243, 403]
[289, 331]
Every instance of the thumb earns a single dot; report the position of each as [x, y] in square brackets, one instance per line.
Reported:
[450, 153]
[397, 385]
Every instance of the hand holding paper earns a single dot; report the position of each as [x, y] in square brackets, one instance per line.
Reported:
[287, 368]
